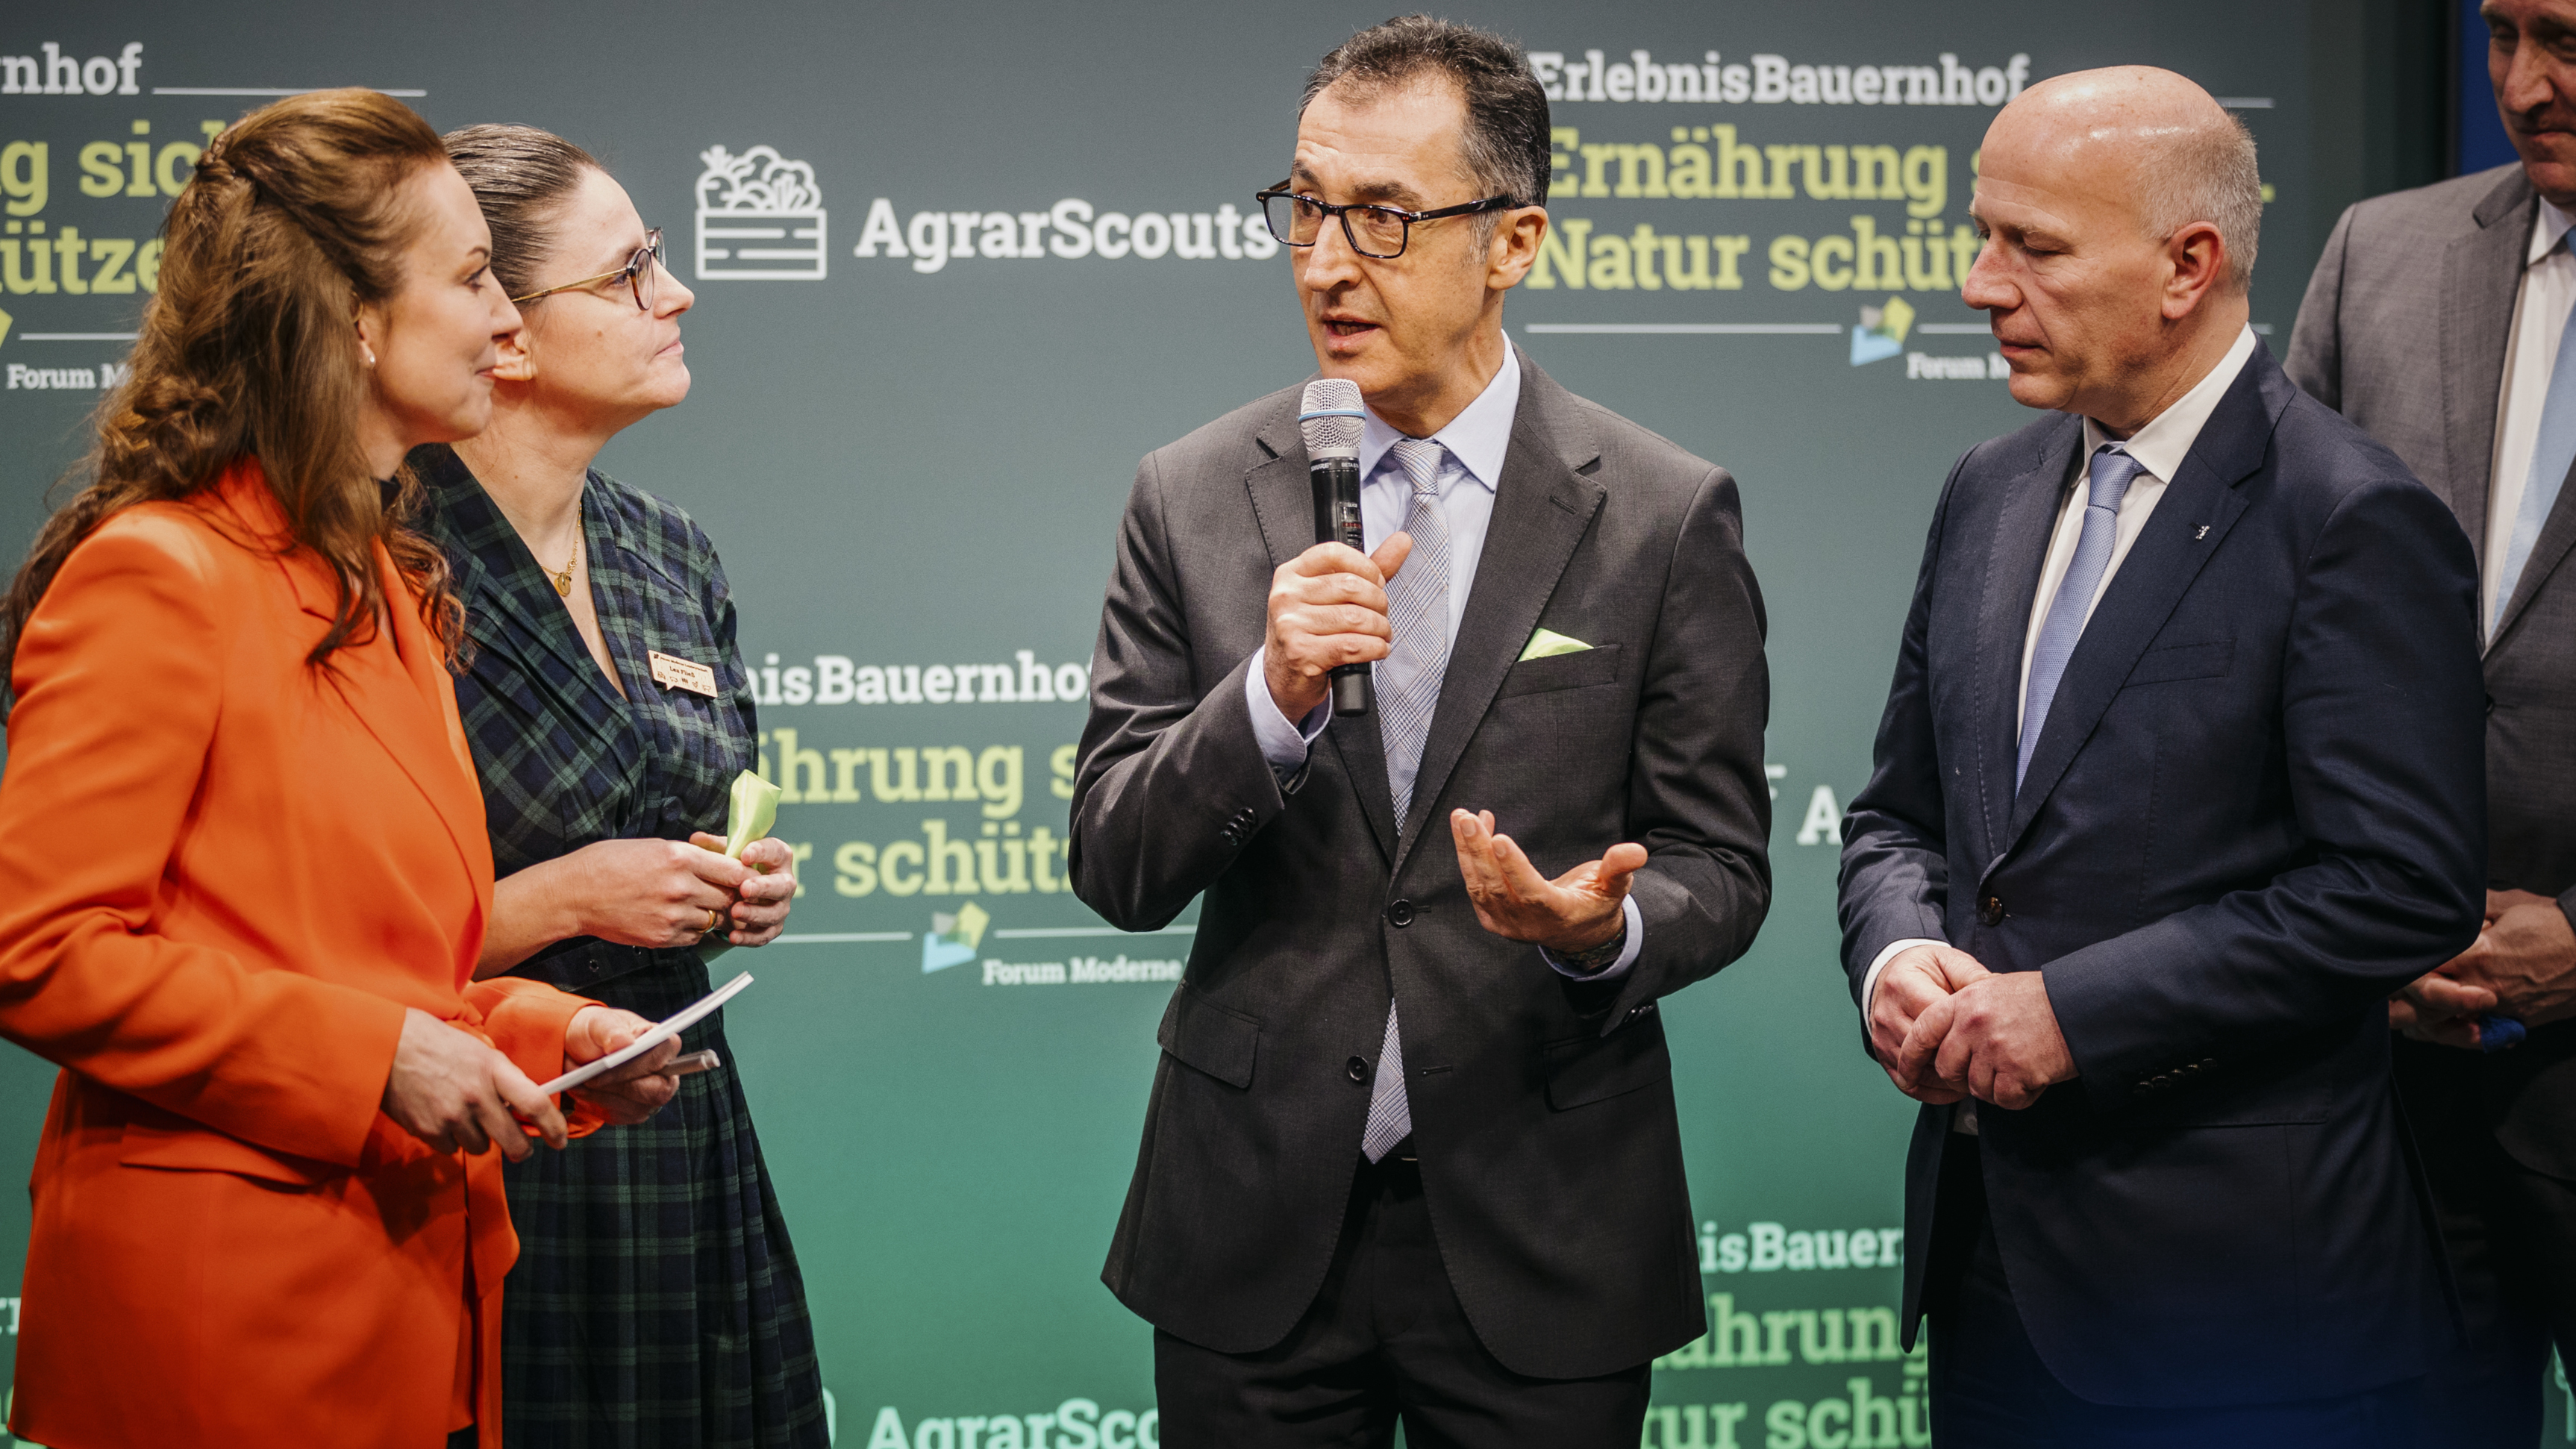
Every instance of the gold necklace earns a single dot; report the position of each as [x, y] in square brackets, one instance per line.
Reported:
[562, 578]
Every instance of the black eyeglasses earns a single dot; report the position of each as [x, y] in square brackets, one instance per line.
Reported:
[1372, 231]
[637, 274]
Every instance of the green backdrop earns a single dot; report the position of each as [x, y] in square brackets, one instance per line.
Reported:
[957, 268]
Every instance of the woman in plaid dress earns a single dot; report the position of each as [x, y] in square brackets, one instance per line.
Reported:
[656, 1301]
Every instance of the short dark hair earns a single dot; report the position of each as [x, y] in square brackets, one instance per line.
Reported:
[1506, 147]
[523, 178]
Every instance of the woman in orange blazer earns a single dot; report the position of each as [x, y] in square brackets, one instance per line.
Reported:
[243, 868]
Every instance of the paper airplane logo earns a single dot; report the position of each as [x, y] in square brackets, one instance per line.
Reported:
[951, 940]
[1881, 333]
[5, 320]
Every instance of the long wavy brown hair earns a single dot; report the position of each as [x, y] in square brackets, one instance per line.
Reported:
[292, 222]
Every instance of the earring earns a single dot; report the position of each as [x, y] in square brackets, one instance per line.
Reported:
[370, 352]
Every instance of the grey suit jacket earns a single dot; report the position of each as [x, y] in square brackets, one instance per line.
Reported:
[1542, 1106]
[2404, 331]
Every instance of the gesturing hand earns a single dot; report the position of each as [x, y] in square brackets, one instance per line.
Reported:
[1574, 912]
[1327, 608]
[1995, 1039]
[760, 904]
[1907, 987]
[452, 1090]
[634, 1091]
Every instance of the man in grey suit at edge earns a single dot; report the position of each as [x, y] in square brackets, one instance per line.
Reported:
[1411, 1152]
[2437, 321]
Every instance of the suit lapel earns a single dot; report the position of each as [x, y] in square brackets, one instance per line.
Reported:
[1283, 503]
[2481, 277]
[2014, 561]
[2199, 506]
[425, 737]
[396, 689]
[1542, 507]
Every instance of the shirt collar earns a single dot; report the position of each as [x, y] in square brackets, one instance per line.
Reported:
[2166, 440]
[1478, 437]
[2548, 228]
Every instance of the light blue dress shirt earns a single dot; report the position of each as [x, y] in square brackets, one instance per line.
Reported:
[1475, 442]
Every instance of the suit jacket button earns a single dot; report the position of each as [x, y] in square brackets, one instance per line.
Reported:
[1358, 1069]
[2490, 704]
[1990, 911]
[1400, 914]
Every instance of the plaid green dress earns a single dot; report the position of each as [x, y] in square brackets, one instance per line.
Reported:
[656, 1301]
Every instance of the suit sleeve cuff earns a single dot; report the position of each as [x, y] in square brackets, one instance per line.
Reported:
[526, 1020]
[1893, 949]
[1628, 954]
[1283, 744]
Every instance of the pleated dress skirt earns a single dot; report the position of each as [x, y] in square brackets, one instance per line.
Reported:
[656, 1303]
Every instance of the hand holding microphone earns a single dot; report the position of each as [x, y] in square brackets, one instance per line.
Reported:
[1328, 605]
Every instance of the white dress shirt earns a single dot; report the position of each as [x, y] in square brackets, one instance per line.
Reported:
[2539, 323]
[2159, 447]
[1471, 468]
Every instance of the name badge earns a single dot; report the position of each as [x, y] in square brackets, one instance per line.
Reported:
[681, 674]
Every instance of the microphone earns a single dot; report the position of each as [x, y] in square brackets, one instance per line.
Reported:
[1329, 415]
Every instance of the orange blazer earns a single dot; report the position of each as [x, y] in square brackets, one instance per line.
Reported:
[223, 876]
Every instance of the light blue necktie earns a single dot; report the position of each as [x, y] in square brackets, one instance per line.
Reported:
[1417, 605]
[2113, 471]
[2553, 451]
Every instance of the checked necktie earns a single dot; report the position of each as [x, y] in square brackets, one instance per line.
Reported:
[1408, 689]
[2113, 471]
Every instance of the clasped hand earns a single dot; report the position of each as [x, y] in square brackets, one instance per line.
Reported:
[2523, 964]
[1944, 1027]
[457, 1092]
[659, 892]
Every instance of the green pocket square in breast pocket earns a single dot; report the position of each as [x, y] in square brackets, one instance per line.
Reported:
[1546, 642]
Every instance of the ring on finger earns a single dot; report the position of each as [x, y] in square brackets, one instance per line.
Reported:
[715, 922]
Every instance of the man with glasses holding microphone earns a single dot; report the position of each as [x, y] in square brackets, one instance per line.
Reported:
[1412, 1151]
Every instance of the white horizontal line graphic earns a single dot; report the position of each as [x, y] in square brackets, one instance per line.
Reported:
[1042, 933]
[267, 91]
[1723, 328]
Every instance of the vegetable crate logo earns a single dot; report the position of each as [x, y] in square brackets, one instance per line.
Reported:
[760, 218]
[1881, 333]
[951, 940]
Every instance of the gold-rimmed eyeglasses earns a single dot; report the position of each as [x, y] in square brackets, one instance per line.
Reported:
[1372, 231]
[637, 274]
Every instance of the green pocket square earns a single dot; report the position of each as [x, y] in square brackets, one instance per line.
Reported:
[1547, 642]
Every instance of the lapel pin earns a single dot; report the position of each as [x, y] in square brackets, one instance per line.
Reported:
[2200, 533]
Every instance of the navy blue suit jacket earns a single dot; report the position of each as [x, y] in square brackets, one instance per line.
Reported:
[2255, 811]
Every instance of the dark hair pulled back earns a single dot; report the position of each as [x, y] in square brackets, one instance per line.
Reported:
[523, 178]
